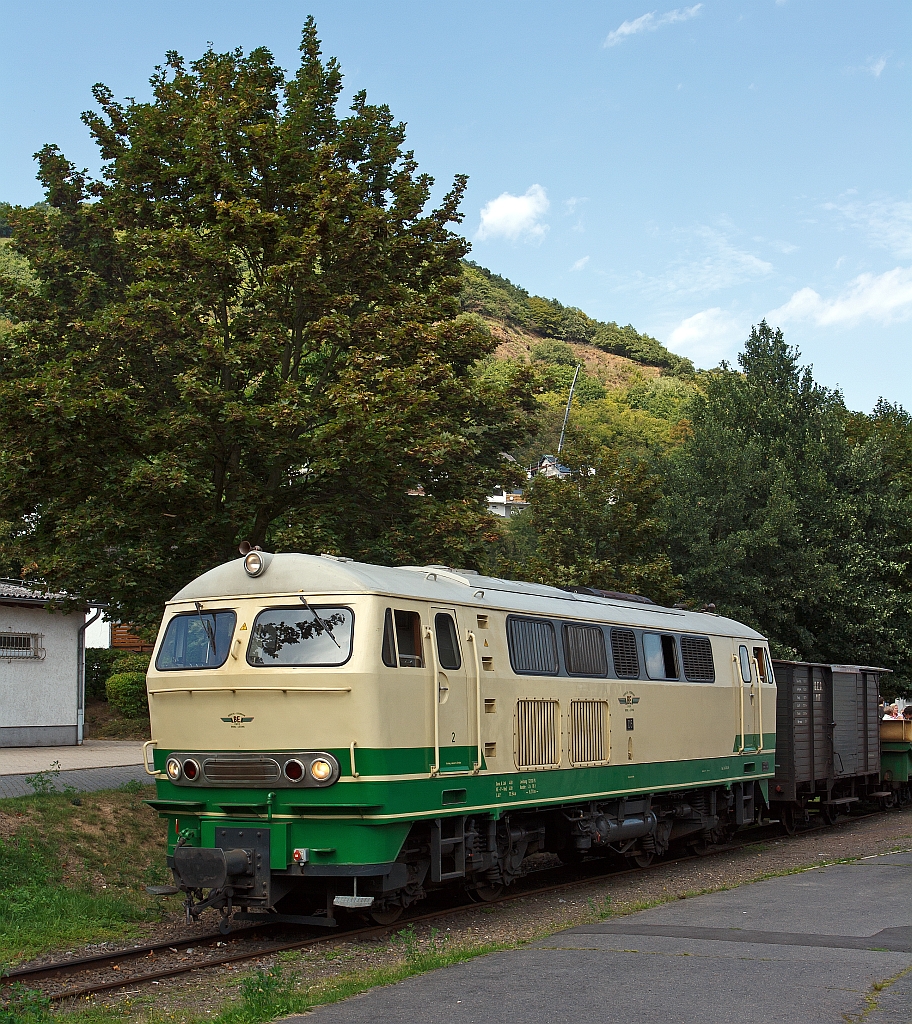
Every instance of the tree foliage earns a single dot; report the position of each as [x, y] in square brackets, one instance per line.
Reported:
[598, 529]
[248, 327]
[778, 518]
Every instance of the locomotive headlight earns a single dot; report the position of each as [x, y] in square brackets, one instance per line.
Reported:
[294, 770]
[191, 769]
[173, 768]
[321, 770]
[253, 563]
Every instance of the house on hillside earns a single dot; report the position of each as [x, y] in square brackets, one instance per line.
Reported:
[42, 665]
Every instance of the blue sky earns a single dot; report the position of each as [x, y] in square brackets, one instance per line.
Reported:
[686, 169]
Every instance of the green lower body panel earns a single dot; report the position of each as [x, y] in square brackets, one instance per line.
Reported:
[365, 820]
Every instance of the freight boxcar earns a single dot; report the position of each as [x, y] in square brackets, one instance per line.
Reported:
[827, 739]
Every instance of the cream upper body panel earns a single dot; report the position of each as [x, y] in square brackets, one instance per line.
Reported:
[374, 705]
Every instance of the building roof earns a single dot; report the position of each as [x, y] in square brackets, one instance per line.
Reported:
[291, 575]
[16, 593]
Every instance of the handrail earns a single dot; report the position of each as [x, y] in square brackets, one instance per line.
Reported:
[429, 635]
[145, 756]
[759, 705]
[736, 668]
[474, 642]
[351, 750]
[252, 689]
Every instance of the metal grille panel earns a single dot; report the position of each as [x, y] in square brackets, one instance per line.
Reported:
[624, 652]
[697, 656]
[584, 649]
[537, 734]
[18, 645]
[588, 732]
[533, 646]
[254, 770]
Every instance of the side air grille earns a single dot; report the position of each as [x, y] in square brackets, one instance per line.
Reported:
[584, 649]
[697, 656]
[533, 646]
[624, 652]
[537, 734]
[242, 770]
[588, 732]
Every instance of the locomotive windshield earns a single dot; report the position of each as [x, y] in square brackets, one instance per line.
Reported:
[196, 640]
[317, 635]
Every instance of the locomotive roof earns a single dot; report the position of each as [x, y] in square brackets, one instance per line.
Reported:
[288, 575]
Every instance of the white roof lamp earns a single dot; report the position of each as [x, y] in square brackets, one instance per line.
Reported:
[256, 561]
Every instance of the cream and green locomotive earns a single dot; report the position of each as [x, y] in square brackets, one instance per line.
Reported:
[328, 733]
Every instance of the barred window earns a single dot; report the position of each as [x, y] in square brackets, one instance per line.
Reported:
[584, 650]
[533, 646]
[697, 657]
[20, 645]
[624, 652]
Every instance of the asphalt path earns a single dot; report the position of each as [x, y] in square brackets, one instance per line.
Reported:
[825, 946]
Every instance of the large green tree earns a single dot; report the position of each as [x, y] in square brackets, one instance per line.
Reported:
[784, 520]
[246, 327]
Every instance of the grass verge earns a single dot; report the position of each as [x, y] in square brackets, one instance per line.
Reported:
[73, 868]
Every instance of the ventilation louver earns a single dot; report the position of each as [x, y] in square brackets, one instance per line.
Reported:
[537, 734]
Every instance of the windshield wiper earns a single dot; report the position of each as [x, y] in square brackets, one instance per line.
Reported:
[207, 625]
[320, 622]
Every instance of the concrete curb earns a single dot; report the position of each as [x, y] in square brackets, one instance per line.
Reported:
[83, 780]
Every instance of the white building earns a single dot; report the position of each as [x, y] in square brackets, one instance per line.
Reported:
[42, 665]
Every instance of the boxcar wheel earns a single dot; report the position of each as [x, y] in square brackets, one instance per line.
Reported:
[829, 813]
[788, 819]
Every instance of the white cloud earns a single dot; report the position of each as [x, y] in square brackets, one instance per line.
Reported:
[707, 337]
[886, 298]
[722, 265]
[875, 67]
[649, 23]
[887, 222]
[510, 216]
[580, 263]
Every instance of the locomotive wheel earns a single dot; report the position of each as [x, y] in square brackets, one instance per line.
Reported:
[389, 916]
[641, 859]
[488, 893]
[886, 802]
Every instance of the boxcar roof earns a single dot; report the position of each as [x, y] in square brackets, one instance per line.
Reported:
[833, 668]
[316, 575]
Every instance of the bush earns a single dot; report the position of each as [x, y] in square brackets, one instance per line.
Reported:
[127, 692]
[99, 664]
[128, 661]
[102, 662]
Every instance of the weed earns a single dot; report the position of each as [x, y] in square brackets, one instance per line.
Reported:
[133, 786]
[44, 782]
[265, 995]
[25, 1006]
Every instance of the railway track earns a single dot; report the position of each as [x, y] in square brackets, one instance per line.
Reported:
[105, 969]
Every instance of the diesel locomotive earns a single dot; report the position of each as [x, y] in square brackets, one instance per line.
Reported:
[332, 734]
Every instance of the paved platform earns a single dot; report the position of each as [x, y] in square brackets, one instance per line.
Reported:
[803, 948]
[96, 764]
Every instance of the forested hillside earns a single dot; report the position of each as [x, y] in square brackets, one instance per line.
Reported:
[504, 303]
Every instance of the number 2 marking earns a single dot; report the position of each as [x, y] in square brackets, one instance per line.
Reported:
[454, 737]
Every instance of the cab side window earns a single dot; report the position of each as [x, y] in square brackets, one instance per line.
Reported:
[744, 658]
[447, 641]
[402, 639]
